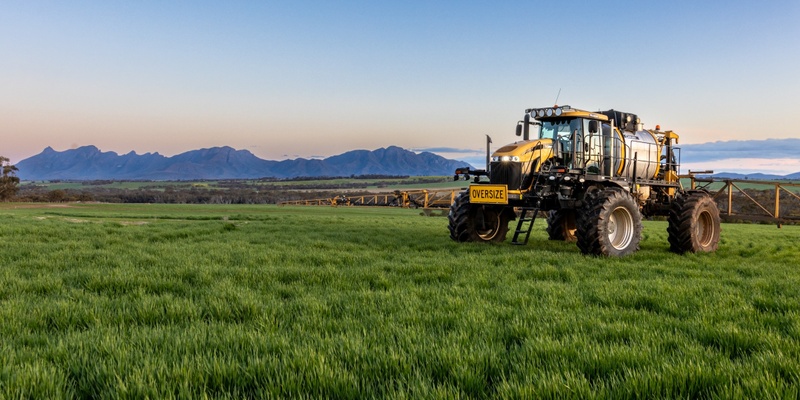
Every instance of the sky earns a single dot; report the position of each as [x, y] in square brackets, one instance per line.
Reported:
[289, 79]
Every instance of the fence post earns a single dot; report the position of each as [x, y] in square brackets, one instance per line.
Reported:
[730, 197]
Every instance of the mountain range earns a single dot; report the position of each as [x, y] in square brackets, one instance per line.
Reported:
[89, 163]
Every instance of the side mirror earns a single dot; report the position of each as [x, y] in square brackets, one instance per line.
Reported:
[592, 126]
[519, 128]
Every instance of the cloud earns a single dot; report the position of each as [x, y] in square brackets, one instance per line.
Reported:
[769, 156]
[774, 166]
[741, 149]
[451, 150]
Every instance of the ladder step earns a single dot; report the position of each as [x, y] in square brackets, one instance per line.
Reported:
[520, 225]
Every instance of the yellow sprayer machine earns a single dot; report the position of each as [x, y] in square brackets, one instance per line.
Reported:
[595, 174]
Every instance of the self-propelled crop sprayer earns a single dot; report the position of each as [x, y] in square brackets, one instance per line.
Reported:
[595, 174]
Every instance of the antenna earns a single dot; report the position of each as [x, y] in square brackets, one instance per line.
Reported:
[557, 96]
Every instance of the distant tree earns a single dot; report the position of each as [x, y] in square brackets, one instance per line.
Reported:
[9, 180]
[57, 196]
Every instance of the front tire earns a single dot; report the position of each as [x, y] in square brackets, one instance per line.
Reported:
[609, 225]
[561, 225]
[469, 222]
[694, 224]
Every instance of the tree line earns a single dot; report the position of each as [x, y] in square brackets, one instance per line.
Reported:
[223, 191]
[183, 195]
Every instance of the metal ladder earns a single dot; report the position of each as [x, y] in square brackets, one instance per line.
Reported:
[524, 218]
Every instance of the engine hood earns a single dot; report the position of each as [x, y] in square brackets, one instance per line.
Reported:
[523, 150]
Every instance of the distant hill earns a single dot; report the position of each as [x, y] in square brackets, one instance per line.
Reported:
[756, 176]
[89, 163]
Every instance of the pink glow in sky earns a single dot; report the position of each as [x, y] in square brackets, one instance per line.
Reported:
[304, 78]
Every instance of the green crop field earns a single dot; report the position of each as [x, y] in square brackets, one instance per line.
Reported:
[184, 301]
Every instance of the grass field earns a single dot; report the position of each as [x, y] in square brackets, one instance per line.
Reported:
[182, 301]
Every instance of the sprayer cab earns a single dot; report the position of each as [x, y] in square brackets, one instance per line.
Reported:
[610, 144]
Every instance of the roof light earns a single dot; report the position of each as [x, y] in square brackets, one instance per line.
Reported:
[549, 112]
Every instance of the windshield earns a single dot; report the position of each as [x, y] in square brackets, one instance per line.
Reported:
[559, 128]
[560, 131]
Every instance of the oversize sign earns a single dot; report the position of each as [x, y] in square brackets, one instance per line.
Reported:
[488, 194]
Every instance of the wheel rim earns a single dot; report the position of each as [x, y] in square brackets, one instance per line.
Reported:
[620, 228]
[705, 229]
[490, 223]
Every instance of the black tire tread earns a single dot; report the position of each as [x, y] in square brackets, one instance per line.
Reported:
[458, 218]
[555, 225]
[590, 223]
[461, 222]
[682, 221]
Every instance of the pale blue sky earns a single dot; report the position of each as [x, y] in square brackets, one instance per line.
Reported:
[303, 78]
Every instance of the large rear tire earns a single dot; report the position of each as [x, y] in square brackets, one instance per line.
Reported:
[694, 223]
[469, 222]
[609, 225]
[561, 225]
